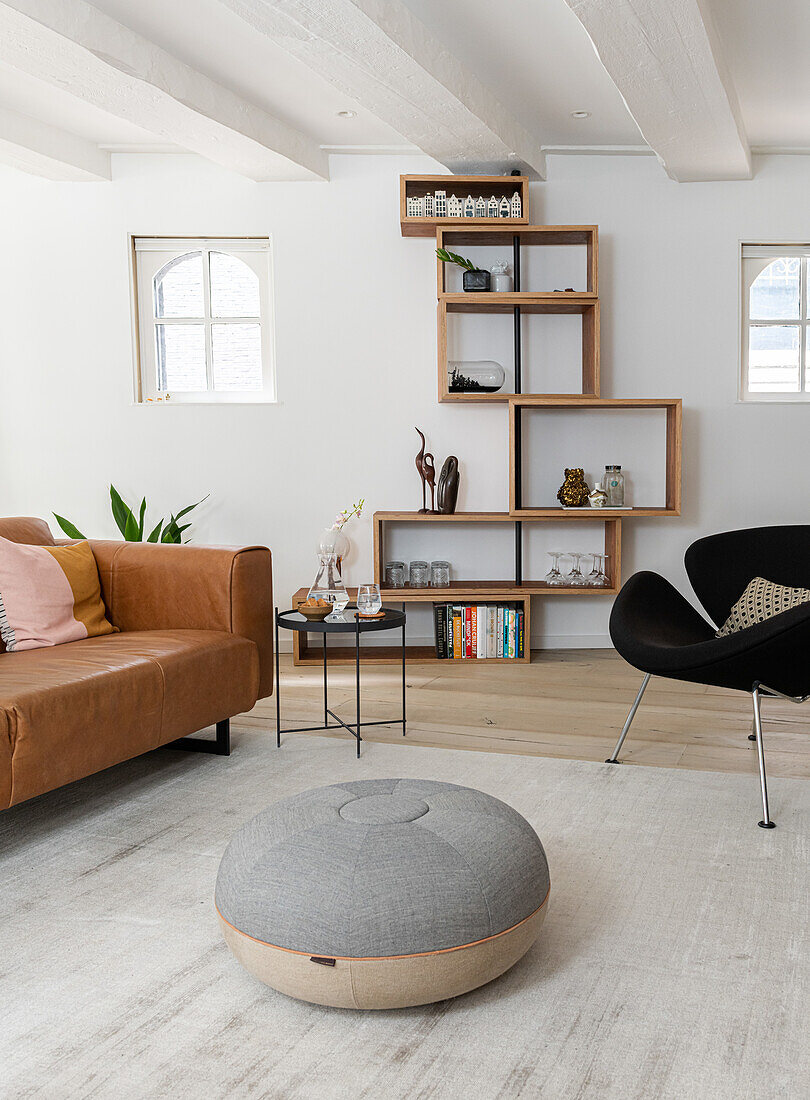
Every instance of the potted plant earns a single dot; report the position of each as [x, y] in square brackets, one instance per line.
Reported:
[474, 278]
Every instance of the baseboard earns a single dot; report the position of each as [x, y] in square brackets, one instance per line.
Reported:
[543, 641]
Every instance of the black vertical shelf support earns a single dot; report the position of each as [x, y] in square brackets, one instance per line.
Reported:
[518, 389]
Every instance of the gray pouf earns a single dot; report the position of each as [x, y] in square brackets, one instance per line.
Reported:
[382, 893]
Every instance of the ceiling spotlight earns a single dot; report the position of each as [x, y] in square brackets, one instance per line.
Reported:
[347, 114]
[580, 114]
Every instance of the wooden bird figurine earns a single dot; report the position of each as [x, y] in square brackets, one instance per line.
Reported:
[427, 471]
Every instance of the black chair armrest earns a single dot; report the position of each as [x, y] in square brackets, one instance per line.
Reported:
[649, 611]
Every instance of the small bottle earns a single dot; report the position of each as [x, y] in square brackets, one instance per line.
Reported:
[614, 486]
[598, 497]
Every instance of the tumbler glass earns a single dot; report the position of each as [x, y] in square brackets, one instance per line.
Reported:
[440, 574]
[395, 574]
[418, 574]
[369, 600]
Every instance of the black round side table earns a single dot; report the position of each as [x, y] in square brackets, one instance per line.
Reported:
[350, 623]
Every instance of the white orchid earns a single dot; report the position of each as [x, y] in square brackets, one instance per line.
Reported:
[342, 518]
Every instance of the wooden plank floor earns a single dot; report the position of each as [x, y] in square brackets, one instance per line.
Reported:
[566, 703]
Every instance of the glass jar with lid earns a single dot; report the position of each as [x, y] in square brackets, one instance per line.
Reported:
[614, 486]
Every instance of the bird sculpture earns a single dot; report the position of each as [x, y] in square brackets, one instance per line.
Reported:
[427, 471]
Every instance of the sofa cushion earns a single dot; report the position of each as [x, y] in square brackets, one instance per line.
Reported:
[75, 709]
[208, 675]
[49, 595]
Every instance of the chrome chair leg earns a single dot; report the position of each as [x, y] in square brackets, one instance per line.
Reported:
[752, 736]
[614, 759]
[766, 822]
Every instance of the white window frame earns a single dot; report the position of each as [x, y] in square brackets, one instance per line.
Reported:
[761, 253]
[148, 255]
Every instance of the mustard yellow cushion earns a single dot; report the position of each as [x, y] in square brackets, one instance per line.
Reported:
[49, 595]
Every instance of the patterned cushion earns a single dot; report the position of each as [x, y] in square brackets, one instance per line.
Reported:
[49, 595]
[761, 600]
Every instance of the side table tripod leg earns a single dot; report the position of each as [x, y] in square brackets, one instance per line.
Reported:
[357, 679]
[325, 704]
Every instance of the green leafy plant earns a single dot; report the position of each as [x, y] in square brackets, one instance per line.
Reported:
[132, 528]
[453, 258]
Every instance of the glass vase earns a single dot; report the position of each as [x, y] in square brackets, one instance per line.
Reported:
[328, 584]
[332, 541]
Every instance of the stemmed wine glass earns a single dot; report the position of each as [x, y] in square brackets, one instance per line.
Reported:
[604, 579]
[595, 575]
[369, 600]
[575, 578]
[554, 577]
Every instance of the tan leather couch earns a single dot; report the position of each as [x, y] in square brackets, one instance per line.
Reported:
[195, 648]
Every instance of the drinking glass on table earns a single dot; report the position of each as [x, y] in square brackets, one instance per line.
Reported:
[369, 600]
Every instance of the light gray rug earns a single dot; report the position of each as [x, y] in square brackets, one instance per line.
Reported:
[674, 961]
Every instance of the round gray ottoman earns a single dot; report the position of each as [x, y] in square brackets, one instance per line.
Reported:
[382, 893]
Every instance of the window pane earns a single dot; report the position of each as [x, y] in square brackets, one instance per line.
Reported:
[181, 357]
[773, 358]
[234, 287]
[237, 356]
[775, 291]
[179, 287]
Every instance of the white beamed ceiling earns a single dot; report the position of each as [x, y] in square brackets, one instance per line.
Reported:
[532, 59]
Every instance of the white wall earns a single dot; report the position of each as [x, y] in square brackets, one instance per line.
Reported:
[355, 311]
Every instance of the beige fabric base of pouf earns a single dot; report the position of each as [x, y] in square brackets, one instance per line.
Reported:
[382, 894]
[396, 982]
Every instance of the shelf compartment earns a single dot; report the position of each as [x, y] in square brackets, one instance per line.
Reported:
[462, 186]
[504, 589]
[585, 305]
[455, 236]
[304, 654]
[673, 453]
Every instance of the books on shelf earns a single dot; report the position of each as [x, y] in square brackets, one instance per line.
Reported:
[479, 631]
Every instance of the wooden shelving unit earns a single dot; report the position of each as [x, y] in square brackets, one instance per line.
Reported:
[518, 302]
[674, 436]
[476, 186]
[456, 234]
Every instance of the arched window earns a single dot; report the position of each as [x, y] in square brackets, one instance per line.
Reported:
[204, 320]
[775, 361]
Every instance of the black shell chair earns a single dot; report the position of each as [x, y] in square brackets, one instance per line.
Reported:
[658, 632]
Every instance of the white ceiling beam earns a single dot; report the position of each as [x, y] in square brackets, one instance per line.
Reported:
[32, 146]
[665, 59]
[74, 46]
[379, 54]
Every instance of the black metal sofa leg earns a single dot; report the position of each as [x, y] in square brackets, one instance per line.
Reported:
[220, 747]
[766, 822]
[614, 759]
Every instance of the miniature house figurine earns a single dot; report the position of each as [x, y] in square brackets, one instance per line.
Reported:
[429, 205]
[480, 207]
[516, 206]
[454, 207]
[504, 208]
[492, 207]
[440, 205]
[411, 207]
[469, 207]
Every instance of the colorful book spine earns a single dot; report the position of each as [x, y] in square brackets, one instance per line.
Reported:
[520, 639]
[492, 623]
[499, 633]
[458, 649]
[467, 631]
[473, 631]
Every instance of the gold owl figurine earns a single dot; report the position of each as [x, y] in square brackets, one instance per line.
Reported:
[573, 493]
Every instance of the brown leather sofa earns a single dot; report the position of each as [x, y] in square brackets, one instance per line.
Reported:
[195, 648]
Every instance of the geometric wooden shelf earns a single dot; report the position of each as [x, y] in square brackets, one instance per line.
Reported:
[456, 236]
[519, 301]
[674, 445]
[306, 654]
[461, 185]
[586, 305]
[507, 589]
